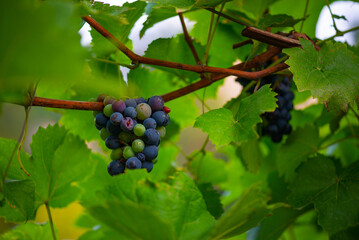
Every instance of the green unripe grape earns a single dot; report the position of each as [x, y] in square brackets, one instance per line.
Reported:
[138, 145]
[154, 161]
[139, 130]
[116, 154]
[162, 131]
[92, 100]
[94, 113]
[108, 100]
[107, 110]
[128, 152]
[104, 133]
[143, 111]
[125, 136]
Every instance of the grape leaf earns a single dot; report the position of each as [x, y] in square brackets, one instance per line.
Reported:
[278, 20]
[21, 194]
[334, 192]
[46, 51]
[126, 217]
[315, 71]
[298, 146]
[175, 50]
[254, 8]
[273, 226]
[117, 20]
[18, 191]
[29, 231]
[245, 214]
[187, 4]
[212, 199]
[59, 160]
[174, 205]
[155, 15]
[250, 154]
[206, 168]
[224, 128]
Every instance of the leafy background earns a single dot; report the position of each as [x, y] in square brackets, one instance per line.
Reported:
[239, 185]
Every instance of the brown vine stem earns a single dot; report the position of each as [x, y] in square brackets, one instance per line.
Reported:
[67, 104]
[241, 44]
[270, 38]
[151, 61]
[189, 40]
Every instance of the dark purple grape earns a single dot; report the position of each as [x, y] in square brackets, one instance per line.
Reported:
[127, 124]
[280, 101]
[108, 100]
[150, 123]
[116, 118]
[141, 157]
[161, 118]
[288, 129]
[115, 167]
[283, 113]
[133, 163]
[281, 123]
[289, 106]
[101, 97]
[156, 103]
[112, 142]
[277, 138]
[130, 112]
[272, 129]
[289, 96]
[118, 106]
[131, 103]
[151, 136]
[113, 129]
[148, 166]
[141, 100]
[98, 126]
[151, 152]
[101, 120]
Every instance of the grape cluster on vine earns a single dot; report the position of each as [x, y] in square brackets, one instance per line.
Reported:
[275, 124]
[132, 129]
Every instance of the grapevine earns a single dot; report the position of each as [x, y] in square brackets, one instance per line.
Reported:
[172, 148]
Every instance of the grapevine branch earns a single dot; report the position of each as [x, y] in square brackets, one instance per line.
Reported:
[217, 73]
[151, 61]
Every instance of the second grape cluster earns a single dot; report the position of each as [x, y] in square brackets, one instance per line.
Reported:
[132, 129]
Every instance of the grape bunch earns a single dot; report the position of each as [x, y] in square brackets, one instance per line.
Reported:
[276, 124]
[132, 129]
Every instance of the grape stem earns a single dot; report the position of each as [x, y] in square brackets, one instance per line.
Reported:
[193, 68]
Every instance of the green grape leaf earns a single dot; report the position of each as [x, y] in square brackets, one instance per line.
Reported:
[175, 205]
[29, 231]
[254, 8]
[21, 194]
[155, 15]
[273, 226]
[224, 128]
[314, 70]
[126, 217]
[249, 210]
[59, 160]
[183, 110]
[175, 50]
[119, 21]
[46, 51]
[333, 191]
[206, 168]
[77, 121]
[212, 199]
[164, 166]
[250, 154]
[314, 10]
[278, 20]
[298, 146]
